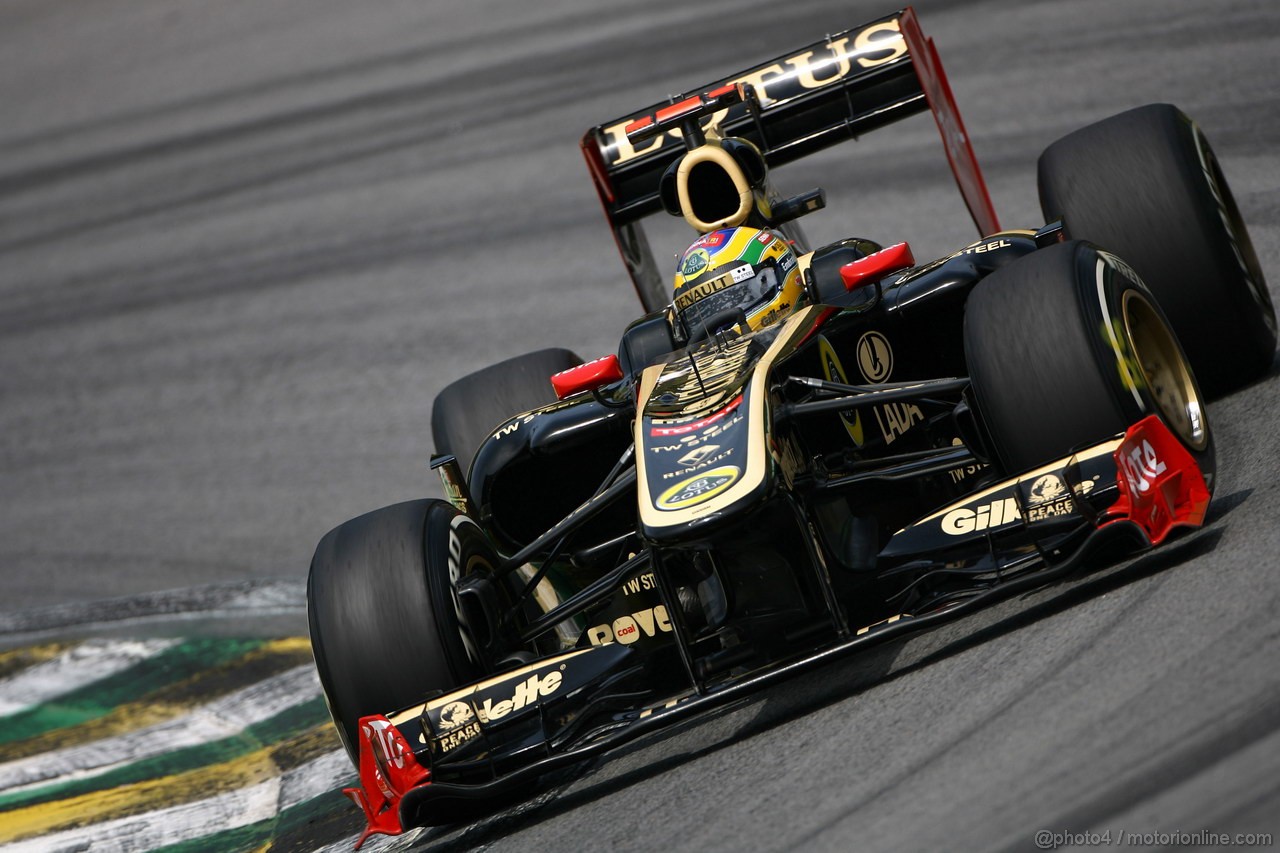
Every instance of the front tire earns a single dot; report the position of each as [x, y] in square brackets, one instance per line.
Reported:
[1066, 348]
[1146, 185]
[385, 630]
[468, 410]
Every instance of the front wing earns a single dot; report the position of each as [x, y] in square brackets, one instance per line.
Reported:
[508, 730]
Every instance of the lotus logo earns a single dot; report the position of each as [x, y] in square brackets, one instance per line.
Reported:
[695, 490]
[695, 263]
[834, 371]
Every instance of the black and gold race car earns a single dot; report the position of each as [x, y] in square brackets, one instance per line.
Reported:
[797, 451]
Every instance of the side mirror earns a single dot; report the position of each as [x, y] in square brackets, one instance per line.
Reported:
[847, 274]
[586, 377]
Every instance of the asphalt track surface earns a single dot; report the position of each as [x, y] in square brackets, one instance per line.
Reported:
[242, 245]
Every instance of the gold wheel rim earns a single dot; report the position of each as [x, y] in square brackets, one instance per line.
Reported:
[1164, 368]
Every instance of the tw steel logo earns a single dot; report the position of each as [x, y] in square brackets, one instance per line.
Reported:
[817, 66]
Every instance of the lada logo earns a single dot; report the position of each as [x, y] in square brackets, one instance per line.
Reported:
[875, 357]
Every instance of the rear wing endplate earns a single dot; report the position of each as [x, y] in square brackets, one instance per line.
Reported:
[828, 92]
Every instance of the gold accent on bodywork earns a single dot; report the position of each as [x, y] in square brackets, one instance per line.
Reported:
[756, 400]
[399, 718]
[713, 153]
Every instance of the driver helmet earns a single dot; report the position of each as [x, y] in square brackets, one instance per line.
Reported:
[735, 270]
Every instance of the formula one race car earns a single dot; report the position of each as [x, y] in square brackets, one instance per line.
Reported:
[805, 451]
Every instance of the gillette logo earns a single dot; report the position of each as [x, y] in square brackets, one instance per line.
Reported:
[526, 691]
[961, 521]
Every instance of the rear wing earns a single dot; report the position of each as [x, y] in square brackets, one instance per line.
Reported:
[828, 92]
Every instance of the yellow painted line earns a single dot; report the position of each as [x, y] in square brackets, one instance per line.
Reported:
[16, 660]
[154, 794]
[162, 705]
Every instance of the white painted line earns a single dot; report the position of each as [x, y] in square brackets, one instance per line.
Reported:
[221, 718]
[376, 843]
[77, 667]
[329, 772]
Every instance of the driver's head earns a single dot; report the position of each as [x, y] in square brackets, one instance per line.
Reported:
[736, 270]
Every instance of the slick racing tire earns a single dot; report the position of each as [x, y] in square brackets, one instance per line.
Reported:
[1146, 185]
[384, 622]
[1066, 348]
[466, 411]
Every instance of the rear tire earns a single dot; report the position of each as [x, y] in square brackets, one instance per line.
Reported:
[384, 624]
[1146, 185]
[467, 411]
[1065, 349]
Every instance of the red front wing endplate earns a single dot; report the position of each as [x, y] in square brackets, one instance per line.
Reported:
[388, 769]
[1161, 486]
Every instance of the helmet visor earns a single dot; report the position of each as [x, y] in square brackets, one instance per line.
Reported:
[744, 288]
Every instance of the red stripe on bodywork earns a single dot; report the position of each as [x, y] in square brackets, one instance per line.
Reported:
[688, 105]
[684, 429]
